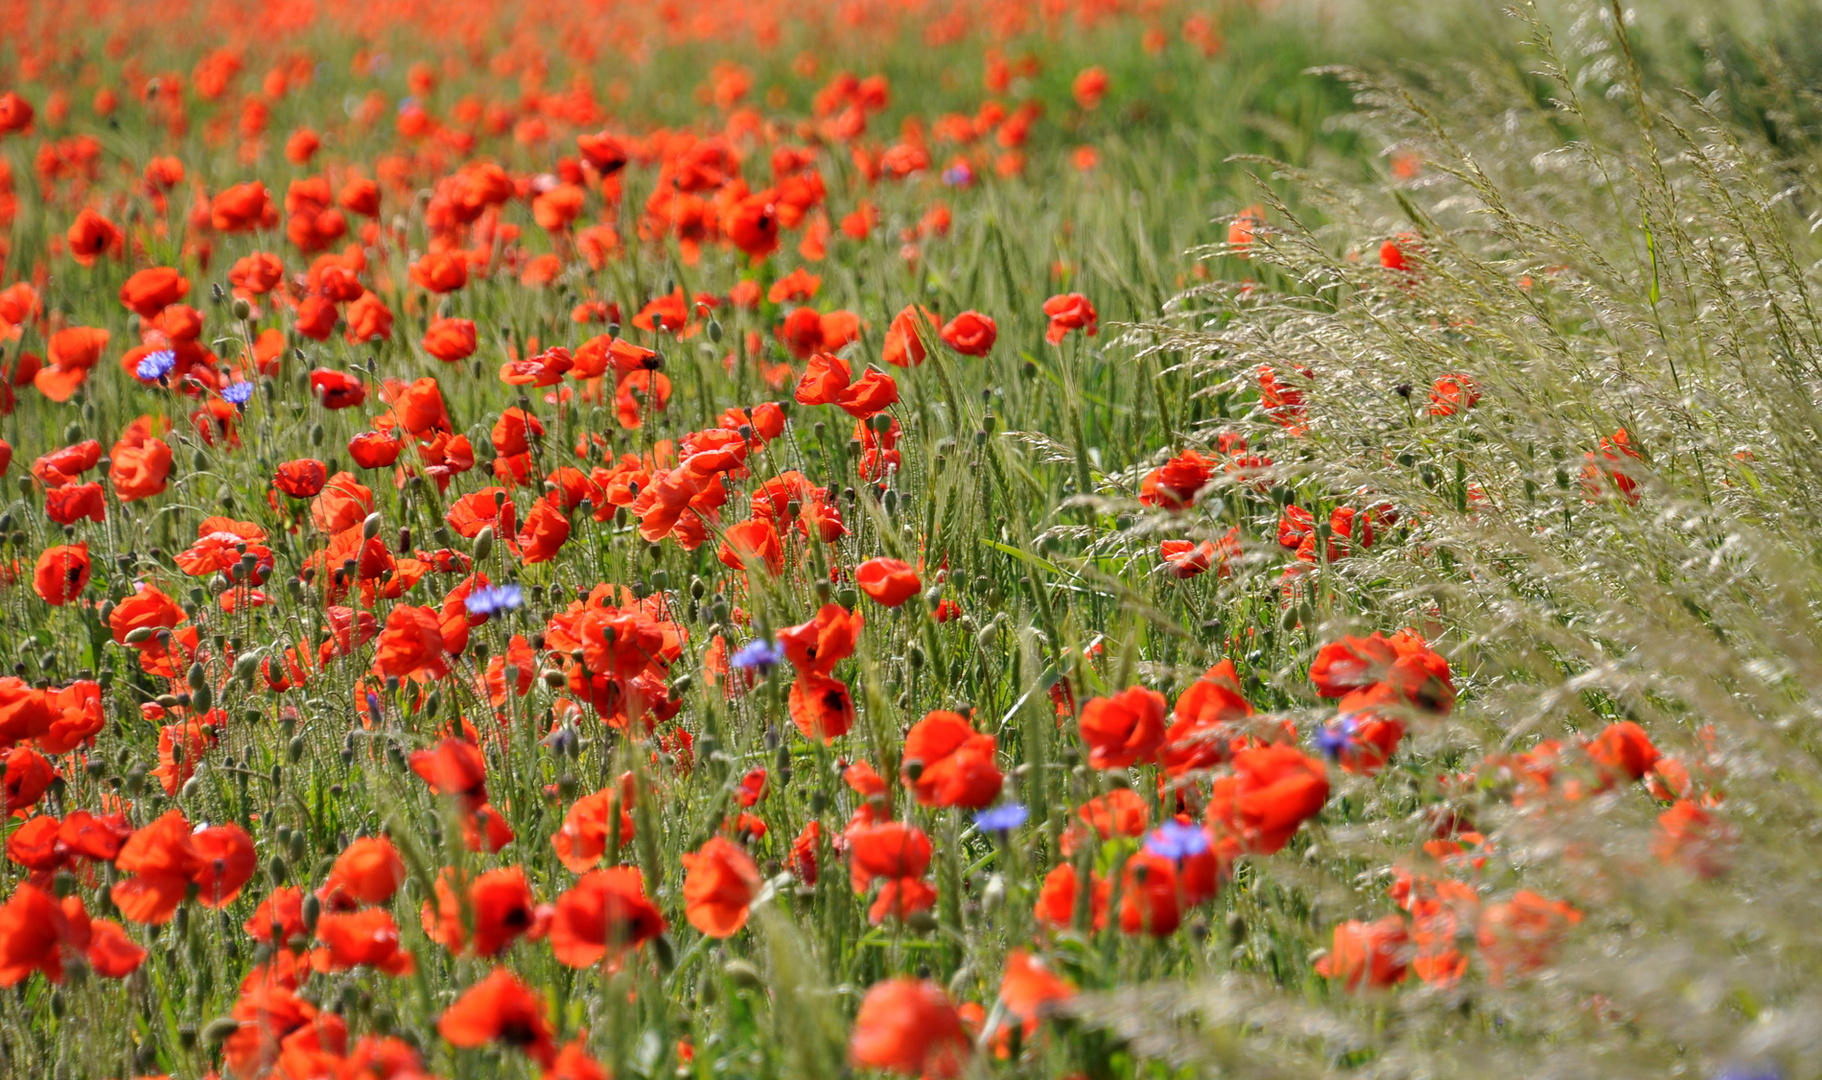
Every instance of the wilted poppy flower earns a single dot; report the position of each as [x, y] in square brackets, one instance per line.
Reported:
[720, 881]
[910, 1027]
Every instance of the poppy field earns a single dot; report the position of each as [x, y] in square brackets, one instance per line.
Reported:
[1073, 539]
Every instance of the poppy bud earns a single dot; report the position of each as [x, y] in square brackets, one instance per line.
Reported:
[552, 678]
[220, 1029]
[279, 872]
[202, 699]
[313, 910]
[743, 974]
[483, 543]
[242, 309]
[295, 748]
[139, 635]
[198, 678]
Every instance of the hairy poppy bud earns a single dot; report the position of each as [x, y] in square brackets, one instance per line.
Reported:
[743, 974]
[483, 543]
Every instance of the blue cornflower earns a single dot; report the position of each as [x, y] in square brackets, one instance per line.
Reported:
[757, 654]
[1336, 738]
[958, 175]
[238, 394]
[1756, 1072]
[1175, 840]
[1003, 818]
[494, 599]
[156, 365]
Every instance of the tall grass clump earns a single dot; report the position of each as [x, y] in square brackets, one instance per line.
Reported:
[1610, 240]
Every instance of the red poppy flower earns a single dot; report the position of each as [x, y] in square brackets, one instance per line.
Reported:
[502, 1009]
[62, 573]
[605, 914]
[337, 389]
[1367, 954]
[1057, 899]
[948, 763]
[720, 881]
[910, 1027]
[1520, 935]
[499, 907]
[366, 938]
[1070, 311]
[450, 340]
[368, 871]
[68, 505]
[970, 333]
[1274, 789]
[817, 646]
[904, 344]
[150, 291]
[821, 707]
[441, 271]
[890, 850]
[889, 582]
[1123, 729]
[586, 832]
